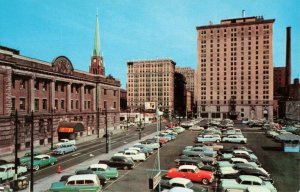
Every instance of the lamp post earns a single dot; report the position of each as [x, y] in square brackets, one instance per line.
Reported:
[52, 116]
[97, 121]
[106, 132]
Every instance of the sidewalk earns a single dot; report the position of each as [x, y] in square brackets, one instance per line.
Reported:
[46, 148]
[44, 184]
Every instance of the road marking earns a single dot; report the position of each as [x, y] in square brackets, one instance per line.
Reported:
[75, 154]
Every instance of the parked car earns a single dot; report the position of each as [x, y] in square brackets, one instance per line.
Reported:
[181, 182]
[239, 166]
[88, 182]
[135, 155]
[179, 129]
[64, 141]
[102, 178]
[3, 162]
[234, 139]
[197, 163]
[7, 171]
[42, 161]
[26, 158]
[200, 150]
[214, 146]
[151, 143]
[201, 157]
[241, 154]
[109, 172]
[144, 148]
[233, 161]
[191, 172]
[208, 138]
[244, 181]
[196, 128]
[178, 189]
[64, 148]
[119, 162]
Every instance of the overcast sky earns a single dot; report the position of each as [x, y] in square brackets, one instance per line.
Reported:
[134, 29]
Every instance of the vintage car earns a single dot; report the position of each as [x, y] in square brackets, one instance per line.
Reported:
[197, 163]
[26, 158]
[88, 182]
[235, 139]
[196, 128]
[135, 155]
[186, 124]
[214, 146]
[241, 154]
[181, 182]
[64, 141]
[151, 143]
[119, 162]
[7, 171]
[200, 150]
[64, 148]
[201, 157]
[102, 178]
[233, 161]
[104, 169]
[191, 172]
[244, 181]
[179, 129]
[144, 149]
[178, 189]
[208, 138]
[239, 166]
[42, 161]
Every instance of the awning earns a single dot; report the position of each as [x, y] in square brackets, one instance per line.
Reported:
[70, 127]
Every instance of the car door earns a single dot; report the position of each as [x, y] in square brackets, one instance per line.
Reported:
[182, 173]
[10, 172]
[117, 163]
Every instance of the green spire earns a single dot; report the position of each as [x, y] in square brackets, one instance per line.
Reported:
[96, 51]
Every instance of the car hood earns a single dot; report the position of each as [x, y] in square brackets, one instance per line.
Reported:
[229, 183]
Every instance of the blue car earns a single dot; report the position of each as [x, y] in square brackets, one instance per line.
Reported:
[144, 148]
[65, 148]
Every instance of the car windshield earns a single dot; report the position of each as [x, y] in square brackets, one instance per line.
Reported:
[37, 159]
[2, 169]
[189, 185]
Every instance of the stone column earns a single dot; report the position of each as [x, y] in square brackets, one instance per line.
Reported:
[94, 99]
[69, 97]
[52, 94]
[31, 90]
[82, 97]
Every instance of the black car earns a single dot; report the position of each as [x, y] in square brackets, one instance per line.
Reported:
[3, 162]
[245, 156]
[119, 162]
[197, 163]
[102, 178]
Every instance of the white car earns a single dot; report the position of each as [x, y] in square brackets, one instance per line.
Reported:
[135, 155]
[64, 141]
[178, 189]
[235, 160]
[209, 138]
[7, 171]
[179, 129]
[196, 128]
[151, 144]
[235, 139]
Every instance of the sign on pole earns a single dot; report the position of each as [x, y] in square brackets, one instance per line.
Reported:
[154, 181]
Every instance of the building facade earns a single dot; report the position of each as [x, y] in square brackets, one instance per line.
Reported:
[55, 93]
[150, 81]
[235, 69]
[279, 81]
[123, 100]
[189, 75]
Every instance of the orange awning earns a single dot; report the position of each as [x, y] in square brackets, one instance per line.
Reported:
[66, 130]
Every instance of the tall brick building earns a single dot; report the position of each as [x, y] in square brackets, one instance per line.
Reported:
[150, 81]
[58, 95]
[235, 69]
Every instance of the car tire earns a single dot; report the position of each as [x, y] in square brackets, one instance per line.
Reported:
[52, 163]
[125, 167]
[205, 181]
[36, 168]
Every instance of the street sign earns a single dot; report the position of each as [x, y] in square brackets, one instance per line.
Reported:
[154, 181]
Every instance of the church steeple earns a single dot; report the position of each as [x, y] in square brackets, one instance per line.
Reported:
[97, 66]
[96, 51]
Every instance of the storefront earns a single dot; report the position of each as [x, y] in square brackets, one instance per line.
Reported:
[69, 130]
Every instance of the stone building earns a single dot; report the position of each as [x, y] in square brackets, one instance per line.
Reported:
[58, 95]
[235, 69]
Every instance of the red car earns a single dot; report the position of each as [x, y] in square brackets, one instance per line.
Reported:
[191, 172]
[163, 140]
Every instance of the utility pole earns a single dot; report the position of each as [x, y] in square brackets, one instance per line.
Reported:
[97, 121]
[16, 146]
[31, 153]
[106, 131]
[52, 111]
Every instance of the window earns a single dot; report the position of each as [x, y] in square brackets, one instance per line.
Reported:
[22, 84]
[13, 82]
[45, 86]
[77, 104]
[36, 104]
[115, 104]
[104, 91]
[41, 126]
[22, 103]
[104, 104]
[62, 104]
[56, 86]
[36, 85]
[115, 92]
[62, 88]
[44, 104]
[89, 104]
[72, 106]
[13, 104]
[56, 104]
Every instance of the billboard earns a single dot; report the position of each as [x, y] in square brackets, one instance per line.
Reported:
[150, 105]
[293, 110]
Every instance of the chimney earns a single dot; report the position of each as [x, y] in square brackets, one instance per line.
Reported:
[288, 61]
[243, 13]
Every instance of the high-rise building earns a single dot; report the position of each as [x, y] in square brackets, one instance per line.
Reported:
[235, 68]
[150, 81]
[189, 75]
[279, 81]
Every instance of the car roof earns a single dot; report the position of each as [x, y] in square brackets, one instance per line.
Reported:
[188, 167]
[41, 156]
[250, 177]
[179, 180]
[83, 177]
[7, 165]
[180, 189]
[101, 166]
[258, 188]
[240, 151]
[129, 150]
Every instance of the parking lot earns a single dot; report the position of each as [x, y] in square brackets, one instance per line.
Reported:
[283, 167]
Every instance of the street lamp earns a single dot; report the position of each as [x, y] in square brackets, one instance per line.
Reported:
[52, 116]
[106, 132]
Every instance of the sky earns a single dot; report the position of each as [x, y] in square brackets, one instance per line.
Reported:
[134, 29]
